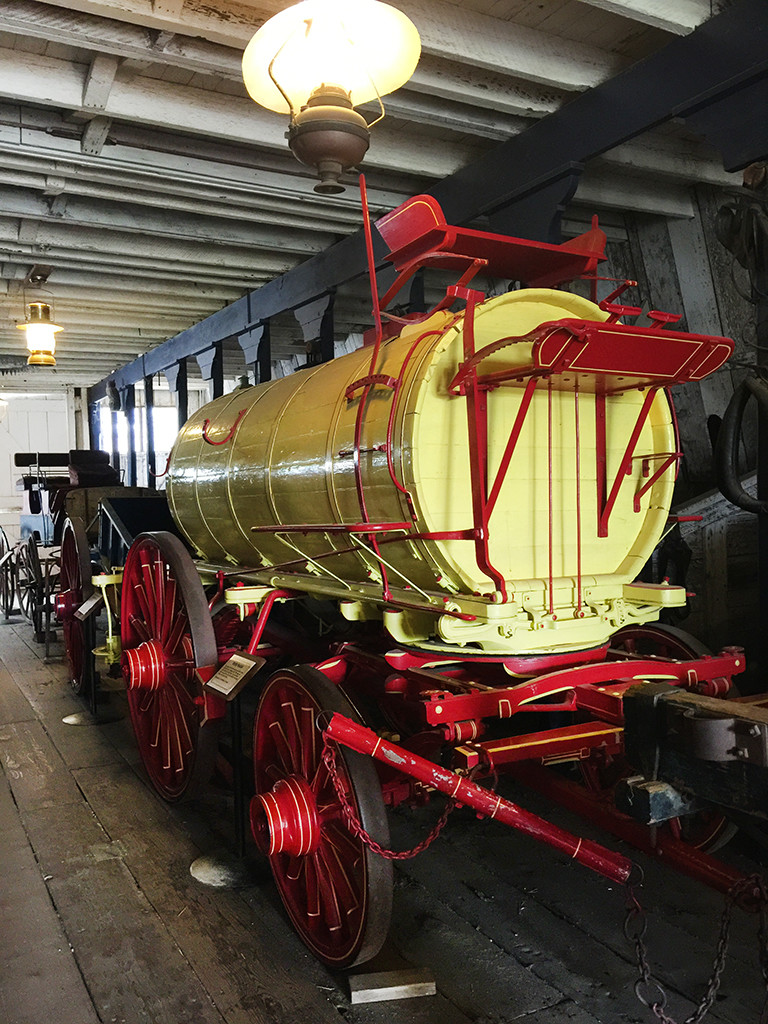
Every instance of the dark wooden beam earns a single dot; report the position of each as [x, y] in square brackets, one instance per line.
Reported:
[706, 71]
[94, 426]
[115, 442]
[149, 410]
[129, 408]
[178, 382]
[264, 355]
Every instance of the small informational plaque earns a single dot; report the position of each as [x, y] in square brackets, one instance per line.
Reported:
[229, 680]
[89, 607]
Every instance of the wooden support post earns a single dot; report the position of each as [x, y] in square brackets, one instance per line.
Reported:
[538, 215]
[759, 286]
[176, 375]
[129, 408]
[78, 418]
[115, 442]
[94, 425]
[327, 332]
[249, 342]
[716, 576]
[313, 318]
[149, 413]
[211, 363]
[264, 355]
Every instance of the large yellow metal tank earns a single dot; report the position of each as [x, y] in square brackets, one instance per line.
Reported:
[290, 462]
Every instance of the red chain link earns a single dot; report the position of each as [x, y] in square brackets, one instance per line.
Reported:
[353, 822]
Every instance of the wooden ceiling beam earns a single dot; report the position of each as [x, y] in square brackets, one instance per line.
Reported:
[447, 31]
[59, 83]
[153, 223]
[676, 16]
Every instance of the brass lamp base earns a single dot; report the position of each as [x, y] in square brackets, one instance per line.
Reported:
[330, 136]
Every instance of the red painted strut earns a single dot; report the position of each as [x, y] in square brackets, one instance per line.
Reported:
[604, 862]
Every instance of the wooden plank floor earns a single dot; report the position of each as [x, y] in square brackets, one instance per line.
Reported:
[101, 921]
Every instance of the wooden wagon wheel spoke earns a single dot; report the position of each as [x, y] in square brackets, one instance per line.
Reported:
[7, 576]
[169, 625]
[311, 892]
[332, 896]
[175, 737]
[161, 585]
[152, 594]
[310, 758]
[140, 627]
[142, 605]
[178, 631]
[337, 893]
[166, 632]
[336, 859]
[282, 752]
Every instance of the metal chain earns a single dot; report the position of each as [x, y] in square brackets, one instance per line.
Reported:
[749, 893]
[355, 826]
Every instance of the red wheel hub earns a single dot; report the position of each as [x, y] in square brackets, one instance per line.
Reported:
[144, 667]
[285, 819]
[65, 604]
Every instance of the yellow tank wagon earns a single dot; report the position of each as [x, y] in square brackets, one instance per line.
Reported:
[376, 494]
[476, 491]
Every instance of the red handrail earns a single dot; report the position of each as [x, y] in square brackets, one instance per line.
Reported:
[229, 436]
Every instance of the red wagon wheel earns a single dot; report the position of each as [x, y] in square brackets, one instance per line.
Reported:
[658, 640]
[166, 633]
[706, 829]
[337, 892]
[75, 587]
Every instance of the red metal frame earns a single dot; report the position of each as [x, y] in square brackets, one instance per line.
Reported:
[449, 698]
[439, 705]
[417, 231]
[678, 854]
[453, 700]
[230, 433]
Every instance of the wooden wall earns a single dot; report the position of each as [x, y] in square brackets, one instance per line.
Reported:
[681, 267]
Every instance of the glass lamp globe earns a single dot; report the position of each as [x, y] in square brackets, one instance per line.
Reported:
[317, 61]
[41, 334]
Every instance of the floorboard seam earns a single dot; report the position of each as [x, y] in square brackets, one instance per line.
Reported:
[51, 899]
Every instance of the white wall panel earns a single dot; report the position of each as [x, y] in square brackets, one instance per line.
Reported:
[38, 423]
